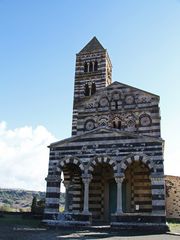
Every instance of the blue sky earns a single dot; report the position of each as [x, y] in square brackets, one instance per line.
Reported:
[38, 43]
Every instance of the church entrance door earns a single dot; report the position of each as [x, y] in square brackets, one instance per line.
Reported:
[102, 193]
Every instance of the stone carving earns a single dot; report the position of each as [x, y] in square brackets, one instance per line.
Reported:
[145, 120]
[129, 99]
[90, 105]
[143, 99]
[103, 121]
[116, 96]
[104, 102]
[89, 125]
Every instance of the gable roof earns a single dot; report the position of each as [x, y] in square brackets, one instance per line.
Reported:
[93, 45]
[106, 130]
[126, 85]
[114, 84]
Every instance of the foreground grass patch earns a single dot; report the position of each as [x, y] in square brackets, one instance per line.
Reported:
[18, 220]
[174, 225]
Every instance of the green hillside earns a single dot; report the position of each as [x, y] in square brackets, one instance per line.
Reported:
[20, 200]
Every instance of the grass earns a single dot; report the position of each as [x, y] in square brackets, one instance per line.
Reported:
[18, 220]
[174, 225]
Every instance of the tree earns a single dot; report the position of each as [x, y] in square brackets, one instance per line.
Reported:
[34, 205]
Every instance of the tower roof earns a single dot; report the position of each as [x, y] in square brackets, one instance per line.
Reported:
[93, 45]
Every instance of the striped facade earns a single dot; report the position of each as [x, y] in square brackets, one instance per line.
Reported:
[113, 163]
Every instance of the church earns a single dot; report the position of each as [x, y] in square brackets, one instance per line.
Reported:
[113, 162]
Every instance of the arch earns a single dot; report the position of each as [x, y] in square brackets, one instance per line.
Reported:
[72, 169]
[140, 157]
[116, 123]
[102, 159]
[136, 189]
[70, 160]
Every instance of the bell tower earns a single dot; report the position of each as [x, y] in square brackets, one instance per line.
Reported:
[93, 72]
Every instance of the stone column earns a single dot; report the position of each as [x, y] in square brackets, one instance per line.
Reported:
[119, 180]
[93, 66]
[88, 65]
[86, 180]
[158, 194]
[52, 196]
[66, 184]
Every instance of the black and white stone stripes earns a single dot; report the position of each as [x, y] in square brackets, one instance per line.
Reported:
[113, 164]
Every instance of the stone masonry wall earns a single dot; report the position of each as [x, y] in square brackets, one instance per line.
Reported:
[172, 196]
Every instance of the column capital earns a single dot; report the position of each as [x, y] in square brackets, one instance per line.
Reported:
[86, 178]
[66, 183]
[156, 177]
[119, 179]
[53, 178]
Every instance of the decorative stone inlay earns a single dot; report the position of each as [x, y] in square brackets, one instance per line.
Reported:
[145, 120]
[116, 96]
[90, 105]
[104, 102]
[129, 99]
[89, 125]
[103, 121]
[131, 123]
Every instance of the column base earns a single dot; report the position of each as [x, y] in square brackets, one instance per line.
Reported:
[139, 222]
[118, 213]
[70, 219]
[86, 212]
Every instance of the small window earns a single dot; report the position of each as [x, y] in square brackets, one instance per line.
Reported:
[85, 67]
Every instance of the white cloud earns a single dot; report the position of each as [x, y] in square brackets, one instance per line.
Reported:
[24, 157]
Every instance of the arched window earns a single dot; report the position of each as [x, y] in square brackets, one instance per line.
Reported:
[93, 88]
[95, 66]
[85, 67]
[86, 90]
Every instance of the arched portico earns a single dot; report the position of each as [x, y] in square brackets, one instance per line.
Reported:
[134, 158]
[136, 188]
[136, 185]
[72, 169]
